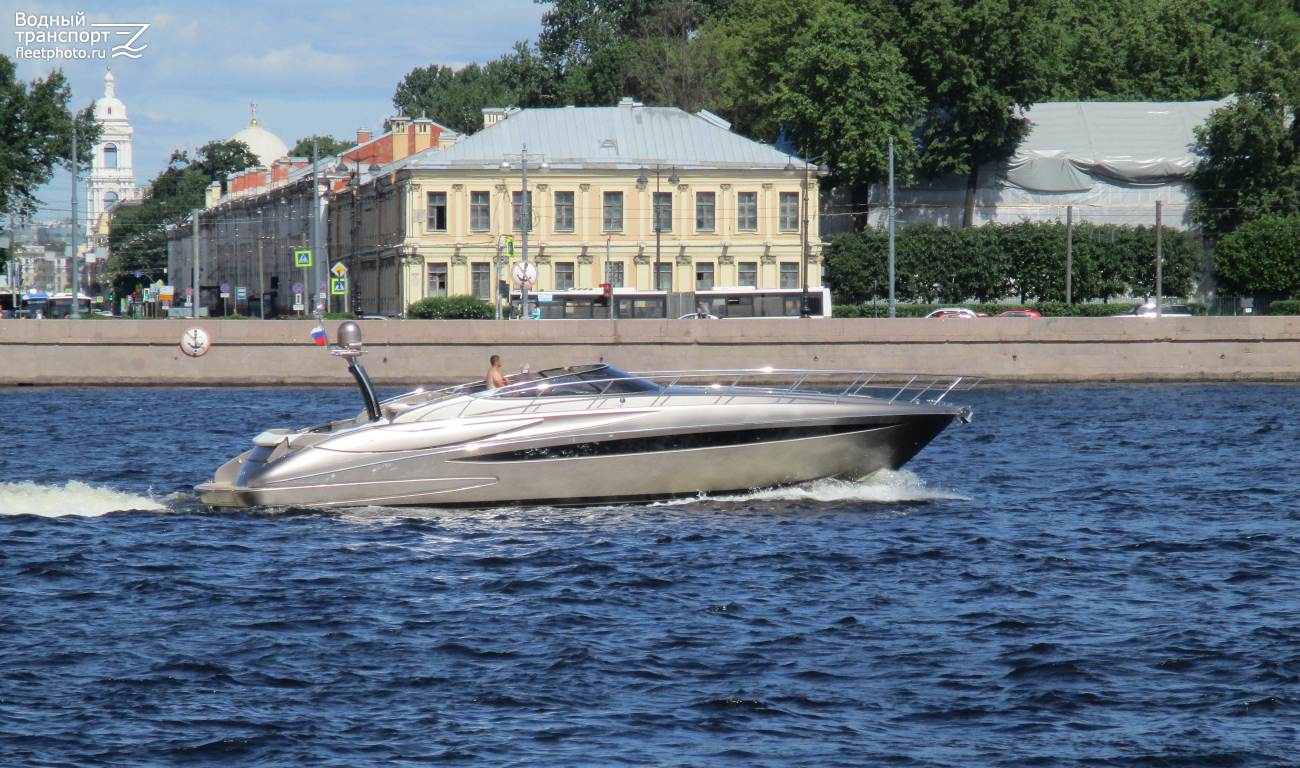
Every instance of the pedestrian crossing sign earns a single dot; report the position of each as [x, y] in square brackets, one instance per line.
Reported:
[339, 286]
[302, 258]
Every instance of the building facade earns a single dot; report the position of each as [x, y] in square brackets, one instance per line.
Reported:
[645, 199]
[248, 234]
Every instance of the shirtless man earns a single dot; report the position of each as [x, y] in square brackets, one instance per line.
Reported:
[494, 377]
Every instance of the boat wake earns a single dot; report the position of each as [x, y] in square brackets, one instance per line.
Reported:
[74, 498]
[883, 487]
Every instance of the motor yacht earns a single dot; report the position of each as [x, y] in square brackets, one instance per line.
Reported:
[592, 434]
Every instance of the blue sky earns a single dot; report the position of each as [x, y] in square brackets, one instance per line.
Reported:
[312, 67]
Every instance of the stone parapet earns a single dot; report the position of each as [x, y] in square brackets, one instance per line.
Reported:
[416, 352]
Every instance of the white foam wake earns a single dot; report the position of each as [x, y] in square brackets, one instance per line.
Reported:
[883, 487]
[74, 498]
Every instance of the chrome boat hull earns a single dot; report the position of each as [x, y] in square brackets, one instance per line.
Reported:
[470, 452]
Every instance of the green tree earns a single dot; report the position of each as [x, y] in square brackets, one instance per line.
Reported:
[844, 94]
[326, 146]
[975, 62]
[36, 135]
[1250, 164]
[138, 239]
[1261, 256]
[456, 98]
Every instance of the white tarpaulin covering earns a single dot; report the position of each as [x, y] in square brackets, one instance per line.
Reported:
[1111, 161]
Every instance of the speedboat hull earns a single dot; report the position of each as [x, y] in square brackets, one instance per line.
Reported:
[578, 451]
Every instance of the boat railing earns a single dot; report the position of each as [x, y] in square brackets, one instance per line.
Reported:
[786, 385]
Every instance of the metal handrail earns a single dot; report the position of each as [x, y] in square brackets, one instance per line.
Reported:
[828, 382]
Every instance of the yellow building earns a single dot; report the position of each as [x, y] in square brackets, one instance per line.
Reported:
[730, 213]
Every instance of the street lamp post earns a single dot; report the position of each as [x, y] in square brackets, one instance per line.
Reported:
[822, 172]
[641, 182]
[526, 219]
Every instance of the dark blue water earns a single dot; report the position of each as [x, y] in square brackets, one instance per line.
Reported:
[1099, 576]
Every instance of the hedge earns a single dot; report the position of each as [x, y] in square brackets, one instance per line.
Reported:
[1284, 307]
[1044, 308]
[451, 308]
[1000, 261]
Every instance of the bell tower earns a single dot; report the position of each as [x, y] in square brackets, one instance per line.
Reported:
[111, 176]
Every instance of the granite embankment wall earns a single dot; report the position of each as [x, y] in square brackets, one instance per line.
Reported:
[413, 352]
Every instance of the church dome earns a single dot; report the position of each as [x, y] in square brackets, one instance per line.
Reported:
[266, 145]
[109, 108]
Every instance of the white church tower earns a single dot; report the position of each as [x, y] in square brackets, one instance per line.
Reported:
[111, 176]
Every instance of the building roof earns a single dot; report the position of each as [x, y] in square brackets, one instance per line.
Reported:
[266, 145]
[1073, 144]
[109, 108]
[627, 136]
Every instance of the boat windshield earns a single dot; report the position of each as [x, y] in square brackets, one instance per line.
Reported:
[583, 380]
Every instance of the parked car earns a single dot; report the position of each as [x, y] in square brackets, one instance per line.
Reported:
[961, 312]
[1149, 310]
[694, 316]
[1018, 313]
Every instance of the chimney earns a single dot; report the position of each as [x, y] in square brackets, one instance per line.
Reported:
[363, 135]
[493, 115]
[424, 134]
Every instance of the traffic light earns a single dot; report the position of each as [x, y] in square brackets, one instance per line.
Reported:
[355, 305]
[607, 289]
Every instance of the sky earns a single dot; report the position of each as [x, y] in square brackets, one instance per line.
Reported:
[319, 67]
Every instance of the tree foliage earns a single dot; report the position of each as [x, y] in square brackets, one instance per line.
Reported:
[997, 261]
[1260, 257]
[467, 307]
[36, 135]
[1250, 164]
[326, 146]
[138, 238]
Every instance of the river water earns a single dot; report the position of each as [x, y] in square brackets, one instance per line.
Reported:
[1100, 576]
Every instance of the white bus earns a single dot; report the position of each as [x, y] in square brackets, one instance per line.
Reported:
[588, 303]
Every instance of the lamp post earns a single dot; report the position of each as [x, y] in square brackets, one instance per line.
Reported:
[642, 182]
[526, 219]
[822, 172]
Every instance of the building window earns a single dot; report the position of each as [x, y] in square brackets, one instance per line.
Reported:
[664, 276]
[705, 205]
[663, 211]
[437, 221]
[789, 274]
[564, 275]
[563, 211]
[614, 274]
[437, 279]
[110, 155]
[747, 211]
[613, 219]
[788, 212]
[747, 273]
[517, 209]
[704, 276]
[480, 211]
[480, 279]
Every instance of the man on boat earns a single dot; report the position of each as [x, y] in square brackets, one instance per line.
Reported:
[494, 378]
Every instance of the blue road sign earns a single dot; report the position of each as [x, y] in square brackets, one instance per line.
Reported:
[298, 288]
[302, 258]
[241, 293]
[339, 286]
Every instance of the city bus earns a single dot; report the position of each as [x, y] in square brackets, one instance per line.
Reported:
[587, 303]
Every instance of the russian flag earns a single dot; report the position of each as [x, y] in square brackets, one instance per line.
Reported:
[318, 333]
